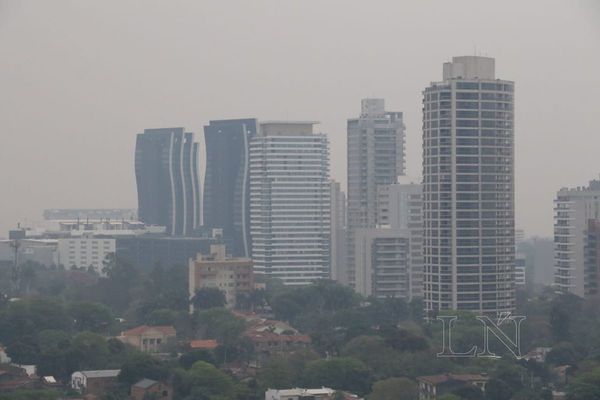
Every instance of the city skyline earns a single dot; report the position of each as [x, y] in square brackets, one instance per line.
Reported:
[72, 127]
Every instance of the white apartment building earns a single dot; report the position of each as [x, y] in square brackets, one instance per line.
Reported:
[375, 157]
[382, 260]
[290, 202]
[576, 232]
[468, 189]
[85, 251]
[400, 206]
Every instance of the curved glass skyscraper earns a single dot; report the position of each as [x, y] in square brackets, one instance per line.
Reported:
[468, 189]
[166, 171]
[226, 182]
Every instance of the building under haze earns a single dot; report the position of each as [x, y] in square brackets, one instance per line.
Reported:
[166, 171]
[400, 206]
[338, 250]
[226, 181]
[375, 157]
[289, 202]
[382, 259]
[468, 189]
[577, 239]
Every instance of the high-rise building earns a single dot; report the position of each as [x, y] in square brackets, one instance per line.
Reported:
[289, 202]
[400, 206]
[226, 181]
[468, 189]
[338, 233]
[576, 233]
[382, 259]
[375, 157]
[166, 170]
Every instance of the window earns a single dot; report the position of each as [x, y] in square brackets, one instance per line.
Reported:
[467, 85]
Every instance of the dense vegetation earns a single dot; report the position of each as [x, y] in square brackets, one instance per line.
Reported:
[65, 321]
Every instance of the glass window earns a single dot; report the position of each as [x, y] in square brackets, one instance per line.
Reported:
[467, 85]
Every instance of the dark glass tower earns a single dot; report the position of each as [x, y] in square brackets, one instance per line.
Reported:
[226, 185]
[166, 171]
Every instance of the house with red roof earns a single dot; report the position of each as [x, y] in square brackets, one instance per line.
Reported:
[149, 339]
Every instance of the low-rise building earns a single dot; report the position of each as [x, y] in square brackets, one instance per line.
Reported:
[308, 394]
[13, 378]
[231, 275]
[273, 337]
[433, 387]
[538, 354]
[149, 389]
[149, 339]
[97, 382]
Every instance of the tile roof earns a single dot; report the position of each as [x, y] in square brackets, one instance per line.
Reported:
[140, 330]
[204, 344]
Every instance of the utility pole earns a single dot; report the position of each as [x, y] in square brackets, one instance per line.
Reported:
[16, 244]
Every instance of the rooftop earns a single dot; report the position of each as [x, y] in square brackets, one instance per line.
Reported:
[208, 344]
[145, 383]
[437, 379]
[101, 373]
[141, 330]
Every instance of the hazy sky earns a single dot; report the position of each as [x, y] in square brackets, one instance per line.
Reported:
[79, 79]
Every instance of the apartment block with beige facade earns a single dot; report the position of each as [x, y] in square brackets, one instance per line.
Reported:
[231, 275]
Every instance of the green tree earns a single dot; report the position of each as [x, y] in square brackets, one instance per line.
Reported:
[204, 381]
[161, 316]
[375, 353]
[395, 389]
[564, 353]
[338, 373]
[88, 316]
[497, 389]
[585, 386]
[53, 348]
[285, 371]
[450, 396]
[141, 365]
[206, 298]
[88, 351]
[30, 394]
[220, 324]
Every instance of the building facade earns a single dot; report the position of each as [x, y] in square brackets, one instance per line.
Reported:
[85, 252]
[468, 189]
[166, 171]
[233, 276]
[339, 271]
[289, 202]
[149, 339]
[576, 232]
[400, 206]
[382, 259]
[148, 251]
[375, 157]
[226, 181]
